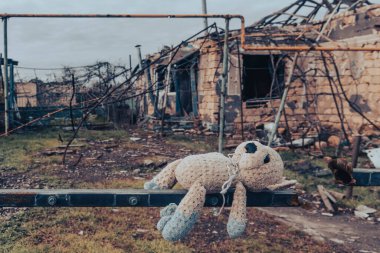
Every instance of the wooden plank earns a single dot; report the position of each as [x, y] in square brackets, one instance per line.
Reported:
[337, 195]
[132, 198]
[330, 197]
[325, 199]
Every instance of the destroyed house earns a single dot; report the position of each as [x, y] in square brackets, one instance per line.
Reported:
[329, 89]
[40, 94]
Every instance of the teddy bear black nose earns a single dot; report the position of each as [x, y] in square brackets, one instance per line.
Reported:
[251, 148]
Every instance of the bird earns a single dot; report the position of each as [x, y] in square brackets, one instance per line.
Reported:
[342, 171]
[60, 138]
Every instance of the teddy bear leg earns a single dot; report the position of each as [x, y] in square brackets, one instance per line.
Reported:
[238, 215]
[166, 214]
[165, 179]
[186, 214]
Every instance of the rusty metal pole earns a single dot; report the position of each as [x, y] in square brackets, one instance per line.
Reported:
[283, 100]
[166, 91]
[241, 92]
[355, 156]
[132, 105]
[204, 11]
[223, 87]
[138, 47]
[6, 81]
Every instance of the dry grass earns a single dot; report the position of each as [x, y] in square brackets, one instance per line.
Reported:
[126, 229]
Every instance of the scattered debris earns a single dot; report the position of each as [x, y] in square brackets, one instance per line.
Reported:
[305, 142]
[330, 197]
[361, 215]
[325, 199]
[320, 145]
[338, 241]
[374, 156]
[365, 209]
[333, 141]
[323, 173]
[337, 195]
[328, 214]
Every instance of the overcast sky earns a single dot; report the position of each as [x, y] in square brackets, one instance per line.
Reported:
[50, 43]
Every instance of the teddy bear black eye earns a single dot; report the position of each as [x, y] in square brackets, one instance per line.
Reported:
[267, 159]
[251, 148]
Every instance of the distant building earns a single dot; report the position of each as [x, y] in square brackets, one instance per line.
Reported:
[26, 94]
[39, 94]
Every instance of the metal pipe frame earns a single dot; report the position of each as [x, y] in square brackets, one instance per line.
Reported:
[308, 48]
[6, 81]
[223, 88]
[133, 198]
[203, 16]
[223, 16]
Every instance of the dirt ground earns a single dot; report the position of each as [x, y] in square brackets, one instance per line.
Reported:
[358, 235]
[113, 160]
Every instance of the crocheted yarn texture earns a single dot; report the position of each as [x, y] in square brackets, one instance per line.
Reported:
[253, 166]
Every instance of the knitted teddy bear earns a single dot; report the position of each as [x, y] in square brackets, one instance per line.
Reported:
[252, 167]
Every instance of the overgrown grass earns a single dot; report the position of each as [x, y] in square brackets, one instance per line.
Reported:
[114, 230]
[17, 150]
[85, 230]
[202, 145]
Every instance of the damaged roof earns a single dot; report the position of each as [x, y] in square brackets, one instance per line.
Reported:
[183, 53]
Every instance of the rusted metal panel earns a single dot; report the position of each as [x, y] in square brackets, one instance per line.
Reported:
[374, 156]
[132, 198]
[367, 177]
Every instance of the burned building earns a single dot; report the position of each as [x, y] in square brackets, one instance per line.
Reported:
[39, 94]
[323, 54]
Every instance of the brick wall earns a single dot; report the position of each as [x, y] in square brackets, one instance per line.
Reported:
[309, 105]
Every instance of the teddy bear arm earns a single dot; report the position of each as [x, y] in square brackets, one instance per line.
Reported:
[284, 184]
[237, 220]
[166, 179]
[177, 225]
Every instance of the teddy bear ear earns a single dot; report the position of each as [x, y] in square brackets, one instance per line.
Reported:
[251, 148]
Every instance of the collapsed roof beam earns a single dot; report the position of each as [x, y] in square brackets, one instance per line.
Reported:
[299, 6]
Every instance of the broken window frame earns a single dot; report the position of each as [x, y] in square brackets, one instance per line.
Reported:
[276, 70]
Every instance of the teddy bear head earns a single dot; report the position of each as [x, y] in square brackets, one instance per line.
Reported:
[251, 155]
[259, 165]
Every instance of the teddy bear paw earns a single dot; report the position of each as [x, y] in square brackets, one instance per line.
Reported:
[151, 185]
[235, 228]
[162, 222]
[166, 213]
[177, 226]
[168, 210]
